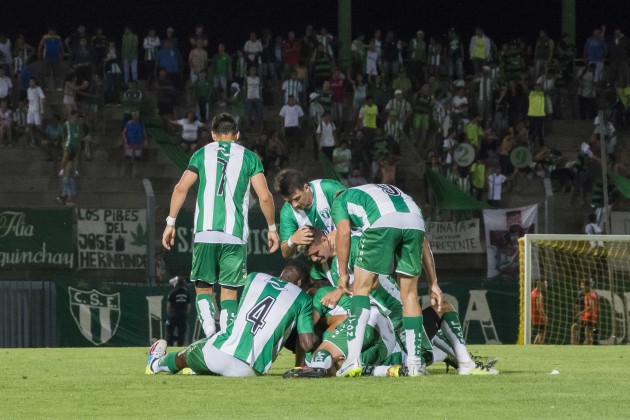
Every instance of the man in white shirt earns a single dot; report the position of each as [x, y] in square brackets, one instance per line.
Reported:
[252, 49]
[495, 183]
[35, 96]
[5, 86]
[326, 136]
[290, 119]
[592, 228]
[253, 92]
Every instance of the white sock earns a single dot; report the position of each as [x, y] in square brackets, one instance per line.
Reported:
[438, 355]
[356, 344]
[460, 349]
[207, 318]
[443, 346]
[380, 370]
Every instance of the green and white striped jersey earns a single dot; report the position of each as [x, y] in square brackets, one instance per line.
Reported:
[225, 169]
[377, 205]
[270, 308]
[318, 215]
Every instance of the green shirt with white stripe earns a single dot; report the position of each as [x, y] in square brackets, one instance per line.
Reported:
[377, 205]
[269, 310]
[318, 215]
[225, 169]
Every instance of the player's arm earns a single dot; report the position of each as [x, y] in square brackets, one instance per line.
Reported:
[428, 266]
[307, 338]
[177, 201]
[343, 253]
[268, 208]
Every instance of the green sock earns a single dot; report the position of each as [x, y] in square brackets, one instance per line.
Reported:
[419, 349]
[206, 312]
[228, 313]
[357, 322]
[167, 363]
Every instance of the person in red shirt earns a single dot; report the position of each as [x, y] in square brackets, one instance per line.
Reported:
[539, 316]
[337, 86]
[291, 48]
[584, 330]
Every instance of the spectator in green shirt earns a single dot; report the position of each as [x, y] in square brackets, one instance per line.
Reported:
[129, 54]
[478, 174]
[222, 69]
[201, 94]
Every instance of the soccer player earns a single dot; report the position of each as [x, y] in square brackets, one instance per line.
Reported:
[442, 324]
[539, 317]
[390, 224]
[224, 170]
[585, 329]
[270, 308]
[306, 204]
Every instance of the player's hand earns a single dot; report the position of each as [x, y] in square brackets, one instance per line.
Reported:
[435, 293]
[302, 236]
[332, 298]
[273, 241]
[168, 237]
[344, 283]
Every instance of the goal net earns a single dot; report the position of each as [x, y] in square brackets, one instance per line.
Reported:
[575, 289]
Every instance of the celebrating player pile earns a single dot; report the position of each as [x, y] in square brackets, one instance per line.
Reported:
[373, 324]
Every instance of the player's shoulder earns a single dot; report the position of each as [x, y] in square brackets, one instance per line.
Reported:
[321, 292]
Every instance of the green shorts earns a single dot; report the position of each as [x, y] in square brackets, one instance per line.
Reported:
[339, 338]
[405, 245]
[195, 359]
[421, 121]
[225, 264]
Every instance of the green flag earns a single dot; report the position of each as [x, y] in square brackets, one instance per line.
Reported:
[449, 196]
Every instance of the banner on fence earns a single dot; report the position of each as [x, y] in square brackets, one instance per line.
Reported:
[36, 238]
[95, 314]
[454, 237]
[503, 229]
[112, 238]
[179, 258]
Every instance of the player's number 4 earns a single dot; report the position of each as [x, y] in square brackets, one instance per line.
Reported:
[259, 312]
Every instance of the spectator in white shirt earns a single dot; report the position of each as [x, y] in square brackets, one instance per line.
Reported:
[342, 156]
[190, 131]
[252, 49]
[290, 119]
[495, 183]
[592, 228]
[326, 136]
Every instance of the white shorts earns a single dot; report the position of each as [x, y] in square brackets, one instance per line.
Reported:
[223, 364]
[34, 118]
[68, 100]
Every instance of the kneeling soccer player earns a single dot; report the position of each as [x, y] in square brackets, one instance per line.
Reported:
[270, 308]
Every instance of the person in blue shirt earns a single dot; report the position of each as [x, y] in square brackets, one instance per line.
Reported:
[595, 51]
[170, 59]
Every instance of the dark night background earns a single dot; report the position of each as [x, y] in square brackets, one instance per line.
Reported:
[232, 20]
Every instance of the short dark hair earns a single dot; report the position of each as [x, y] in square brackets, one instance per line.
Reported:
[224, 123]
[289, 180]
[296, 268]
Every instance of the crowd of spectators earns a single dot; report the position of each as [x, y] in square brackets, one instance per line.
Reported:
[426, 95]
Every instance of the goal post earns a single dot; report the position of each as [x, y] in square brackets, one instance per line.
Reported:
[584, 281]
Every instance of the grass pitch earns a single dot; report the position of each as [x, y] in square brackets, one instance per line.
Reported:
[110, 382]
